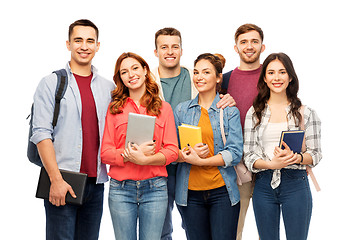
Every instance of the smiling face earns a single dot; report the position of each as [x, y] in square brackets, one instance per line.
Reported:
[83, 45]
[168, 50]
[205, 78]
[276, 77]
[132, 74]
[249, 47]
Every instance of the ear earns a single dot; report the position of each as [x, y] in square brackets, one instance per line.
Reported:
[262, 48]
[236, 49]
[97, 46]
[156, 53]
[219, 78]
[68, 44]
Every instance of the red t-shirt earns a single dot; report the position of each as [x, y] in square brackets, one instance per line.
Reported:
[90, 127]
[243, 88]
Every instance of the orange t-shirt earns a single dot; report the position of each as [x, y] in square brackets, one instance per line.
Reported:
[208, 177]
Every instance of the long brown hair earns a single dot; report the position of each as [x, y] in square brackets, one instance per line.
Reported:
[291, 91]
[150, 99]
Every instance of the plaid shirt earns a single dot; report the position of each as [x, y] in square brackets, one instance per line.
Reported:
[254, 146]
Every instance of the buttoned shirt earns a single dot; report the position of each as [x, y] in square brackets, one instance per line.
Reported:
[114, 143]
[67, 135]
[254, 146]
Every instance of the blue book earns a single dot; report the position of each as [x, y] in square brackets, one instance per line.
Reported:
[294, 139]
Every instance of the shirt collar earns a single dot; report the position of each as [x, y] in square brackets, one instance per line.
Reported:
[195, 102]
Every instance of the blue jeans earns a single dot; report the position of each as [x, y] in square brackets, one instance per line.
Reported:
[130, 200]
[168, 227]
[209, 215]
[76, 222]
[292, 198]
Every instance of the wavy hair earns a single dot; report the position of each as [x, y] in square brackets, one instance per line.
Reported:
[291, 91]
[119, 95]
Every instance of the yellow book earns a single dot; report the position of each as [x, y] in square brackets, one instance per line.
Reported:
[189, 134]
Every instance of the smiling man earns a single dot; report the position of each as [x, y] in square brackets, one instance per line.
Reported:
[74, 144]
[241, 83]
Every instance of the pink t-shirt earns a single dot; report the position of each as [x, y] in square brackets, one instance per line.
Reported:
[243, 88]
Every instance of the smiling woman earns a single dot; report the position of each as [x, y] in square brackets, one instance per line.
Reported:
[137, 170]
[280, 172]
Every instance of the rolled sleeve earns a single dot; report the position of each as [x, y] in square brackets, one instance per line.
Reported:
[227, 157]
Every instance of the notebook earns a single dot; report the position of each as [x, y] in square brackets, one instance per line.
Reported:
[76, 180]
[140, 128]
[189, 134]
[293, 138]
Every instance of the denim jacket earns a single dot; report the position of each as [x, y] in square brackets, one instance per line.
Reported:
[189, 113]
[67, 135]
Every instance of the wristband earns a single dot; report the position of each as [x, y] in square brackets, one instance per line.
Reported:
[302, 158]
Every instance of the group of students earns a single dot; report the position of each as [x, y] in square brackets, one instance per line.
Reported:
[146, 179]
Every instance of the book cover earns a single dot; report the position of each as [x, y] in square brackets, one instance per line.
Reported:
[76, 180]
[189, 134]
[140, 128]
[293, 138]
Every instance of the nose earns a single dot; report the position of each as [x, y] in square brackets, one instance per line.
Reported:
[131, 73]
[249, 45]
[170, 51]
[84, 45]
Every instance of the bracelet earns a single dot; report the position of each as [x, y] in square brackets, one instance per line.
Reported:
[302, 158]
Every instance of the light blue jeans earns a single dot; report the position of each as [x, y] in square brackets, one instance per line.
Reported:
[130, 200]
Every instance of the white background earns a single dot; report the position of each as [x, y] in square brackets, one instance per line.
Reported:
[321, 37]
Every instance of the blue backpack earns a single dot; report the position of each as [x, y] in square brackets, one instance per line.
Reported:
[62, 82]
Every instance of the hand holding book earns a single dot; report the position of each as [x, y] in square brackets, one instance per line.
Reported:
[283, 157]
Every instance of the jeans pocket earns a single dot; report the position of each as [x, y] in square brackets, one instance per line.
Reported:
[114, 184]
[160, 183]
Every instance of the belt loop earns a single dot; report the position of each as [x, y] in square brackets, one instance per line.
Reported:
[123, 184]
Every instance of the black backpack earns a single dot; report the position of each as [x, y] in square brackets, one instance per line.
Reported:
[62, 82]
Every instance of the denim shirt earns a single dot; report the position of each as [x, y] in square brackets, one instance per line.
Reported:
[67, 135]
[189, 113]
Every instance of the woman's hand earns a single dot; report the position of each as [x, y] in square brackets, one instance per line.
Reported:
[133, 153]
[283, 157]
[202, 150]
[148, 148]
[190, 156]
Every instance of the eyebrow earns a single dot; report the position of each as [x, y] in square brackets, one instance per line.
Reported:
[80, 38]
[136, 64]
[281, 69]
[202, 69]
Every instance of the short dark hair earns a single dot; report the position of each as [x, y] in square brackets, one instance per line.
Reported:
[85, 23]
[247, 28]
[169, 31]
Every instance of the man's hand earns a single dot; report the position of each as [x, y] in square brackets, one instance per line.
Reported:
[226, 100]
[58, 191]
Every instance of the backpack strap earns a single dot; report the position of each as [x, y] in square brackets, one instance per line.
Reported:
[222, 125]
[225, 82]
[62, 82]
